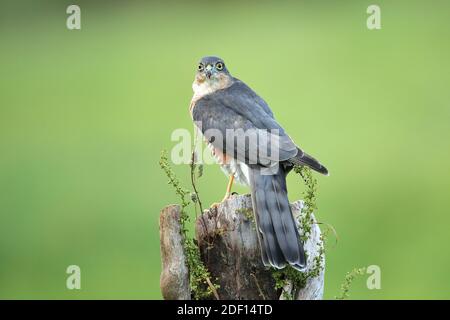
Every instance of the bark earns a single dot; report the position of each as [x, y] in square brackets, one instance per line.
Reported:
[229, 247]
[174, 281]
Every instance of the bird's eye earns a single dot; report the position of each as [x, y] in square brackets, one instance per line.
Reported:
[200, 67]
[219, 66]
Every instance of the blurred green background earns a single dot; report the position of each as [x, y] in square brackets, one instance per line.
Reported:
[84, 116]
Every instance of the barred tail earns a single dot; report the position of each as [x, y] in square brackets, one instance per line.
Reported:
[277, 231]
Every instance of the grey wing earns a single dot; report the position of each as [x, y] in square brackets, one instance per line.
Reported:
[247, 93]
[235, 122]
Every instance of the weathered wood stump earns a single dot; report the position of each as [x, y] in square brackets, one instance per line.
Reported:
[229, 248]
[174, 279]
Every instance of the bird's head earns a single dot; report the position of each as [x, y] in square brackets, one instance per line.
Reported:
[212, 70]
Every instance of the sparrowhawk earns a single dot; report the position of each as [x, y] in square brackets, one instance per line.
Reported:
[222, 104]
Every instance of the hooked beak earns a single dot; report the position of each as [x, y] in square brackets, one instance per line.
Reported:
[209, 71]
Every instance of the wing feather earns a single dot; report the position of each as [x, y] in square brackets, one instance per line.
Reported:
[239, 123]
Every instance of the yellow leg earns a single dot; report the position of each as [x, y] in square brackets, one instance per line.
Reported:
[230, 184]
[227, 194]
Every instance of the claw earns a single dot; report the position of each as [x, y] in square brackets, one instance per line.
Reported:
[215, 205]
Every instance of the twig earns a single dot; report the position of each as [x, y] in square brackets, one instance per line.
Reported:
[213, 289]
[197, 197]
[333, 230]
[257, 285]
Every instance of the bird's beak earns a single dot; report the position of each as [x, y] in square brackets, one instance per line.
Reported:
[209, 71]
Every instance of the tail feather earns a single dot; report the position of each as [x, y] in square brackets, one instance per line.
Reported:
[302, 158]
[277, 231]
[270, 250]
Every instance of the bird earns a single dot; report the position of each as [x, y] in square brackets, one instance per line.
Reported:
[222, 104]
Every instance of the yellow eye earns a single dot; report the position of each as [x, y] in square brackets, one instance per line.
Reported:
[219, 66]
[200, 67]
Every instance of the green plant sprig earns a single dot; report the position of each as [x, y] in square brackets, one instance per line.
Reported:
[200, 278]
[349, 278]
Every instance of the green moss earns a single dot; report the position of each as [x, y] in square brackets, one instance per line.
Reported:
[199, 276]
[289, 275]
[298, 279]
[248, 214]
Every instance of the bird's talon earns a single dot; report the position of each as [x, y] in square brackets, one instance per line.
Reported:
[215, 205]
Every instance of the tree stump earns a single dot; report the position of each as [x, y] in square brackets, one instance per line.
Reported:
[228, 243]
[174, 281]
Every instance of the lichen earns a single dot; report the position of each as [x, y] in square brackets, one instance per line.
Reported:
[248, 214]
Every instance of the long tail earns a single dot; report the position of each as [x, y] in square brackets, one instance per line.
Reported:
[304, 159]
[277, 231]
